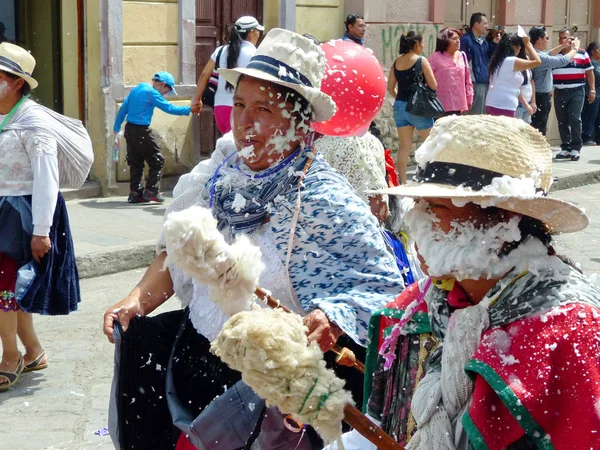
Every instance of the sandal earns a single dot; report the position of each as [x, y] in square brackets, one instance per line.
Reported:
[36, 364]
[12, 377]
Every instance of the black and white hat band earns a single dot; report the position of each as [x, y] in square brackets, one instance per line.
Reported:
[278, 69]
[13, 66]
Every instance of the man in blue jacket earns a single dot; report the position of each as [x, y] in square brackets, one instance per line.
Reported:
[138, 107]
[478, 52]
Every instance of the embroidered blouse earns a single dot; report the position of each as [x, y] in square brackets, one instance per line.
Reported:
[360, 159]
[29, 166]
[455, 91]
[338, 263]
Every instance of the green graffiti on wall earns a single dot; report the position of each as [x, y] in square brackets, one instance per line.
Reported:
[390, 38]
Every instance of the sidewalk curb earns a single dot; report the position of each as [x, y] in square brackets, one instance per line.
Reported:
[118, 259]
[576, 180]
[138, 256]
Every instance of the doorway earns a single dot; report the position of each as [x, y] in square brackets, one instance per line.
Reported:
[213, 21]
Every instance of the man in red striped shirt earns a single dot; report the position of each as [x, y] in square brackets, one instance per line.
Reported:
[569, 95]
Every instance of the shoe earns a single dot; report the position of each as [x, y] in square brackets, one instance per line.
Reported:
[12, 377]
[136, 197]
[590, 143]
[563, 154]
[151, 196]
[575, 155]
[36, 364]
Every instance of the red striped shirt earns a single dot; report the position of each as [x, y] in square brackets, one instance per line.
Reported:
[574, 73]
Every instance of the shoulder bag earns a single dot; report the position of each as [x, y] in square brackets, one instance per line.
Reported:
[423, 100]
[208, 96]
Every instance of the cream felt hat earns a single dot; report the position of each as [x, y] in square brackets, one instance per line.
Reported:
[18, 61]
[491, 161]
[290, 60]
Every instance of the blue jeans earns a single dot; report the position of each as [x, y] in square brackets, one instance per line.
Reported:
[406, 119]
[591, 121]
[523, 114]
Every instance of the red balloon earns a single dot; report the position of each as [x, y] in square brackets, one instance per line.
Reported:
[356, 82]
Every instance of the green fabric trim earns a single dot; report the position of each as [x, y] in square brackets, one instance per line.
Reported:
[371, 358]
[475, 438]
[419, 323]
[512, 402]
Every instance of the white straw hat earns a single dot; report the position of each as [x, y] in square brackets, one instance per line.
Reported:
[290, 60]
[18, 61]
[491, 161]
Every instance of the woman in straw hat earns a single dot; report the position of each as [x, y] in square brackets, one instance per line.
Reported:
[499, 347]
[263, 180]
[37, 262]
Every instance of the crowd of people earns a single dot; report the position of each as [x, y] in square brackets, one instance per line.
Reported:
[473, 331]
[493, 72]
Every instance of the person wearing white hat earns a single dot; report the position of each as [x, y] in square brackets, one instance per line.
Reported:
[498, 348]
[241, 47]
[40, 151]
[263, 180]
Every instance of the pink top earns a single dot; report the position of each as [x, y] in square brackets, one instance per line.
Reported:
[455, 89]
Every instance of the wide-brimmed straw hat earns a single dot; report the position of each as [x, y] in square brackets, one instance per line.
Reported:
[290, 60]
[18, 61]
[491, 161]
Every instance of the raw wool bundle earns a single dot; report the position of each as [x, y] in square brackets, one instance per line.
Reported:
[270, 349]
[195, 245]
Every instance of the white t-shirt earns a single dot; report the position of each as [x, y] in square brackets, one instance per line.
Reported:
[527, 89]
[505, 86]
[223, 97]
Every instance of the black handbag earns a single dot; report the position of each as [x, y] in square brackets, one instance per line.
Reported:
[208, 96]
[423, 100]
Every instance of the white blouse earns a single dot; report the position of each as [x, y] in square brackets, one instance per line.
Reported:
[29, 166]
[360, 159]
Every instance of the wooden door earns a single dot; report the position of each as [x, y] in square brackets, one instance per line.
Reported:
[213, 20]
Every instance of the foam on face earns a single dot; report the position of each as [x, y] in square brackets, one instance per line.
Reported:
[470, 251]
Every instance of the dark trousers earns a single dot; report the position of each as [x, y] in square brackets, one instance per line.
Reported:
[591, 121]
[142, 147]
[539, 120]
[568, 104]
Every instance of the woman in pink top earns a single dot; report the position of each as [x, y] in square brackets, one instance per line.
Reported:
[450, 66]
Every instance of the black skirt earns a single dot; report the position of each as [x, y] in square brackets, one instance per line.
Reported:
[55, 288]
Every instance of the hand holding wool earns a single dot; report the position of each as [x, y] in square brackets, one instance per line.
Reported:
[271, 350]
[195, 245]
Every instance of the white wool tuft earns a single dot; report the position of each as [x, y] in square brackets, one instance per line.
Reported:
[270, 349]
[195, 245]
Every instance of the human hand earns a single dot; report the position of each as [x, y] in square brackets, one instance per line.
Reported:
[197, 106]
[529, 109]
[321, 330]
[123, 311]
[40, 245]
[575, 43]
[591, 96]
[534, 108]
[526, 40]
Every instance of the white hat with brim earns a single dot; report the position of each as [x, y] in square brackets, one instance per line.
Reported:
[18, 61]
[291, 60]
[491, 161]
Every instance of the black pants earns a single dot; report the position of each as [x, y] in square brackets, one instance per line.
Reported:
[539, 120]
[568, 104]
[142, 147]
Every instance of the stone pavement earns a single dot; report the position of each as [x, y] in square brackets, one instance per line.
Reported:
[112, 236]
[63, 406]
